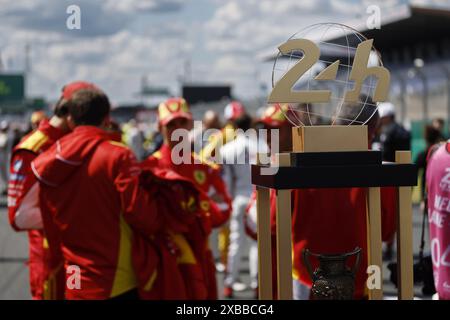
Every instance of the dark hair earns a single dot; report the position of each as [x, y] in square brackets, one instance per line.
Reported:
[244, 122]
[61, 108]
[440, 121]
[432, 135]
[88, 107]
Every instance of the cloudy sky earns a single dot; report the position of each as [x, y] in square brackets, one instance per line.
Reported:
[120, 41]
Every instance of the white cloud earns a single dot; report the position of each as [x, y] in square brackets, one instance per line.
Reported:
[438, 3]
[98, 17]
[234, 65]
[115, 62]
[121, 41]
[244, 28]
[292, 7]
[250, 27]
[108, 52]
[147, 5]
[231, 12]
[10, 6]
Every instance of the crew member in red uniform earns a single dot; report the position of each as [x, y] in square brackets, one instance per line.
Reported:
[95, 203]
[174, 114]
[329, 221]
[23, 198]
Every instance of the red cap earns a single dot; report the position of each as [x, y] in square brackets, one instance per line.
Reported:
[233, 110]
[69, 89]
[275, 115]
[173, 108]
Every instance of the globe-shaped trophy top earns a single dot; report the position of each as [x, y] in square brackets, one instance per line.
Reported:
[336, 42]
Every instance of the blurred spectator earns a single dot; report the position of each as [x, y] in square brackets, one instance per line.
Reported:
[211, 120]
[232, 111]
[432, 136]
[438, 187]
[215, 141]
[238, 178]
[24, 203]
[157, 140]
[438, 124]
[135, 139]
[16, 135]
[393, 136]
[274, 117]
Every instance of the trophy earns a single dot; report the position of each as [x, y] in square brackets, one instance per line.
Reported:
[330, 150]
[333, 280]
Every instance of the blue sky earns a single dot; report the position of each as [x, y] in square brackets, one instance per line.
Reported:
[121, 41]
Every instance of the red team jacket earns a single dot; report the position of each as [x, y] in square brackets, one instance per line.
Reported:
[197, 257]
[25, 212]
[95, 222]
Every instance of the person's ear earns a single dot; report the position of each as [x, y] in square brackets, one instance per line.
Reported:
[70, 123]
[65, 124]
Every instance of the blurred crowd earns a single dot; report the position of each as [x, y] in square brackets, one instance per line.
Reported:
[111, 203]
